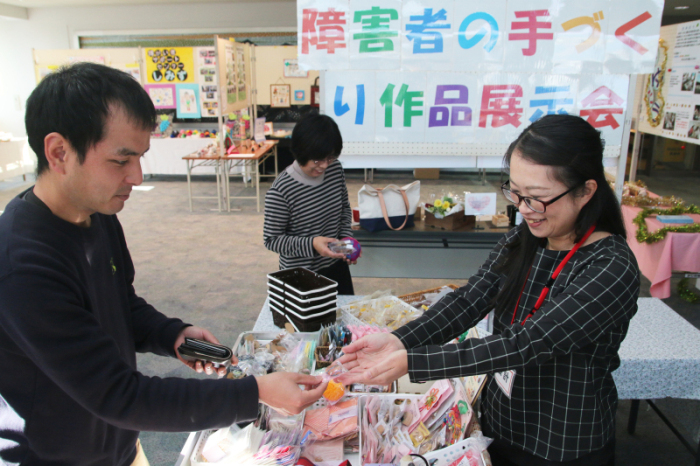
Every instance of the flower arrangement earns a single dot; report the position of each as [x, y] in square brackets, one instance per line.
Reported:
[440, 207]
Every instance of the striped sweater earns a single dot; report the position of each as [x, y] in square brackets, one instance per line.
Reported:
[296, 213]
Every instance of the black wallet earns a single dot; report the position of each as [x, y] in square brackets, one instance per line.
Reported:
[199, 350]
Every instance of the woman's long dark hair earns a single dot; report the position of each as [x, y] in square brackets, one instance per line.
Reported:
[574, 149]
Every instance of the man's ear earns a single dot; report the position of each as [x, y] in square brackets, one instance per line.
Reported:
[56, 149]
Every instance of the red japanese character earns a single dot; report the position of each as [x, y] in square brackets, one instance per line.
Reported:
[330, 34]
[592, 115]
[601, 117]
[621, 33]
[501, 102]
[532, 24]
[601, 97]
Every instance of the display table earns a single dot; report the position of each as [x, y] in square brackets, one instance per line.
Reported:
[659, 358]
[249, 161]
[425, 252]
[165, 155]
[208, 163]
[222, 167]
[657, 261]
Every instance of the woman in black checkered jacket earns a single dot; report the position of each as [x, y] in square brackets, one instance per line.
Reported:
[563, 285]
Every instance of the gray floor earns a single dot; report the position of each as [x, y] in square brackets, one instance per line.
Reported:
[209, 268]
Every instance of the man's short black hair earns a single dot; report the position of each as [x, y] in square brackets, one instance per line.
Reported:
[75, 102]
[316, 137]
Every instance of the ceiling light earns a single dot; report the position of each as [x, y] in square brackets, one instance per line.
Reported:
[684, 7]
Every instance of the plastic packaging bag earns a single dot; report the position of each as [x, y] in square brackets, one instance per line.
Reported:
[335, 390]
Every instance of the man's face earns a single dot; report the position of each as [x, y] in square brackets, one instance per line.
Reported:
[111, 167]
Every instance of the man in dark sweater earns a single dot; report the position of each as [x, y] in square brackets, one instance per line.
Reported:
[70, 321]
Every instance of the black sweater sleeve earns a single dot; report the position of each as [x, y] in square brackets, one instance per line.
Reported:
[66, 343]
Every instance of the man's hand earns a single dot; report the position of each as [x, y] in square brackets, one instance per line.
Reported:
[320, 244]
[200, 334]
[280, 391]
[376, 359]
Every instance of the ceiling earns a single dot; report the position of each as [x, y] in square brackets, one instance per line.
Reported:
[671, 14]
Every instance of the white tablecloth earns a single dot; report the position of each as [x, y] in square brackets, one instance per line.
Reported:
[659, 358]
[165, 156]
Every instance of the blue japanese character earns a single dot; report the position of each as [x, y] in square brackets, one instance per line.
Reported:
[341, 109]
[549, 103]
[425, 41]
[481, 33]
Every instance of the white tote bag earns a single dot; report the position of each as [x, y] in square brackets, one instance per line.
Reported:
[386, 208]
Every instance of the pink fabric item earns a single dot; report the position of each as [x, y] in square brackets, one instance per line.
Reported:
[316, 420]
[678, 251]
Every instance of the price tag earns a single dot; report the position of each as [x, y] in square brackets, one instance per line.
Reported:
[342, 414]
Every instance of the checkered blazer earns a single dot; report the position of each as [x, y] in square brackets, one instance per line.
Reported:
[564, 399]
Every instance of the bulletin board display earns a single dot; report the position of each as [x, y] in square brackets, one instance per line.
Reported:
[234, 75]
[271, 65]
[671, 93]
[125, 59]
[169, 65]
[206, 72]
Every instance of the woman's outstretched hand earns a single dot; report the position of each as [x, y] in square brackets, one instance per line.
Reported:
[376, 359]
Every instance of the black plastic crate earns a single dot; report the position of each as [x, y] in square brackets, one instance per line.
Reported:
[302, 283]
[312, 324]
[303, 311]
[283, 293]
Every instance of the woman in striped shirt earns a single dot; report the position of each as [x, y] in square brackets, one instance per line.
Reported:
[307, 206]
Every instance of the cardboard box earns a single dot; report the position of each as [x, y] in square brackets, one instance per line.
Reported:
[426, 173]
[456, 221]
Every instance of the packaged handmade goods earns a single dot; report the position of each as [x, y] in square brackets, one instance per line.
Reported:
[262, 353]
[380, 309]
[399, 425]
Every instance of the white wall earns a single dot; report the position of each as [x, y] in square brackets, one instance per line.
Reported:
[56, 28]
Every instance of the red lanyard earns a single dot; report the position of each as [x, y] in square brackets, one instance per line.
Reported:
[550, 282]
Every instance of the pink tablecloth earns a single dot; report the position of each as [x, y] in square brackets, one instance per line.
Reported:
[677, 251]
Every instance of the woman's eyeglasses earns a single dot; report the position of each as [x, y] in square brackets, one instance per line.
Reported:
[536, 205]
[328, 160]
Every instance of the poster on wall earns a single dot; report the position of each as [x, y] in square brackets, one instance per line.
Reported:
[231, 74]
[280, 95]
[206, 78]
[169, 65]
[291, 69]
[188, 101]
[682, 112]
[162, 95]
[132, 69]
[241, 72]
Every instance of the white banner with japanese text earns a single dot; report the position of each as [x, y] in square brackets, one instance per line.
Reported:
[561, 37]
[451, 107]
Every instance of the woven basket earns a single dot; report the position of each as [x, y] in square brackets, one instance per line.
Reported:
[411, 298]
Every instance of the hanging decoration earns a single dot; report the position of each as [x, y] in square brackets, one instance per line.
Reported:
[643, 235]
[653, 98]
